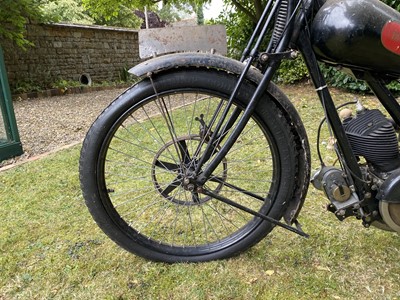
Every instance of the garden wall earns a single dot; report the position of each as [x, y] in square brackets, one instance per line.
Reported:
[66, 52]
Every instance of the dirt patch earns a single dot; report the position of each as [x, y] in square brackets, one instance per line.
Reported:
[46, 124]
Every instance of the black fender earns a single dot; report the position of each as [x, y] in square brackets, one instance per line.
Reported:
[211, 61]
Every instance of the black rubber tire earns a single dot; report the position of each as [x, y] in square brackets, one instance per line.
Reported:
[149, 233]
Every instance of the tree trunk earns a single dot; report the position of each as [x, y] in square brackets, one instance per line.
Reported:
[259, 7]
[255, 13]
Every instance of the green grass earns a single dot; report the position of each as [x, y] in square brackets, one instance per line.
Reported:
[51, 248]
[132, 153]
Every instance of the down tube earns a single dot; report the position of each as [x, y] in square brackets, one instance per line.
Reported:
[350, 160]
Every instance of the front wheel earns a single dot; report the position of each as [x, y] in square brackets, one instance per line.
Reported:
[140, 154]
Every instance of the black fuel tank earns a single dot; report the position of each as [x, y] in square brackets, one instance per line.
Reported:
[360, 34]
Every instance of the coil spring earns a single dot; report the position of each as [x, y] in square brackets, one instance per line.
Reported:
[280, 23]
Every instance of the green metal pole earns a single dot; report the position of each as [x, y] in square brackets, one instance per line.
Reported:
[12, 146]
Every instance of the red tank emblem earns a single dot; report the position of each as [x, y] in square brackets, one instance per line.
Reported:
[390, 37]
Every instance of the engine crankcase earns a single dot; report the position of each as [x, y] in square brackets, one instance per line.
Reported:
[389, 201]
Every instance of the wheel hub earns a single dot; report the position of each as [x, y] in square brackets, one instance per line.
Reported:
[173, 172]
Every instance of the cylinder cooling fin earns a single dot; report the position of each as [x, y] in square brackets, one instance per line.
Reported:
[372, 136]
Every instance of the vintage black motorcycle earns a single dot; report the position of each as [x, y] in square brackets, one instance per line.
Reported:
[204, 156]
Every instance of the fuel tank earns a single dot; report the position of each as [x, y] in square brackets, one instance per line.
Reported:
[359, 34]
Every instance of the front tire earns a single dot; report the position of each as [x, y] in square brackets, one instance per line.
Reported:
[137, 155]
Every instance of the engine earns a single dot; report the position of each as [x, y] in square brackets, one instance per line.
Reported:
[373, 137]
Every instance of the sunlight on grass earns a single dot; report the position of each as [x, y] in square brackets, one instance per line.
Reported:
[51, 248]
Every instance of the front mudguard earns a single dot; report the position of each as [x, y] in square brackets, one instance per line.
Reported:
[211, 61]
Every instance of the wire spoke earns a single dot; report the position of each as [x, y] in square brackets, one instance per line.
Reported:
[158, 146]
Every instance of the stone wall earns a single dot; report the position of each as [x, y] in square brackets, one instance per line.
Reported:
[67, 51]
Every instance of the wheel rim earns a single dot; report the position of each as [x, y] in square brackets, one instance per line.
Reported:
[152, 203]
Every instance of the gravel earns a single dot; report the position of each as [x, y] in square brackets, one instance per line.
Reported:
[47, 124]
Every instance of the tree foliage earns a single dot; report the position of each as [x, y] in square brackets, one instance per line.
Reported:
[238, 31]
[393, 3]
[108, 9]
[69, 11]
[14, 15]
[125, 18]
[19, 13]
[251, 9]
[172, 13]
[73, 11]
[240, 18]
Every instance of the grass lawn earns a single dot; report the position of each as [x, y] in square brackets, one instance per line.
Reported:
[51, 248]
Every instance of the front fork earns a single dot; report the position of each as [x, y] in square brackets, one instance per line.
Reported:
[271, 11]
[214, 139]
[220, 133]
[276, 52]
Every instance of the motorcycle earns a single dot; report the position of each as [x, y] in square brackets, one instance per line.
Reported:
[205, 155]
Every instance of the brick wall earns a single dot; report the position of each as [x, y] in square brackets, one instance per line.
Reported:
[68, 51]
